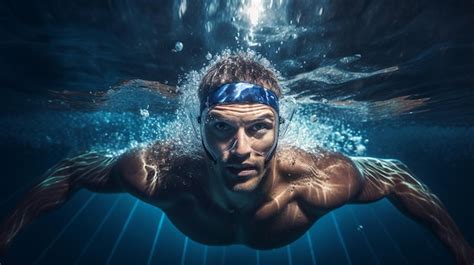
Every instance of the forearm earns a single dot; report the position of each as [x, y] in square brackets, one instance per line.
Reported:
[417, 202]
[90, 170]
[39, 200]
[392, 179]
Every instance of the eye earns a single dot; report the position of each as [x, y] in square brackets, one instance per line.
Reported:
[259, 126]
[221, 126]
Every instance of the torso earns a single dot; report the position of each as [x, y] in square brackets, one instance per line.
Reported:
[303, 177]
[203, 221]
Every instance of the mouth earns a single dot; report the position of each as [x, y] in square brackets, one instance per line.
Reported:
[242, 170]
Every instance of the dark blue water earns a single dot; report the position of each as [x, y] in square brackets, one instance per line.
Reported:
[398, 74]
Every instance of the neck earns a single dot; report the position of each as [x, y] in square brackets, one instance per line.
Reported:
[236, 202]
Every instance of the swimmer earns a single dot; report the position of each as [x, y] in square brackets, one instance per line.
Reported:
[243, 187]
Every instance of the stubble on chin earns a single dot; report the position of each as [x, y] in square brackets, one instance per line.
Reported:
[247, 186]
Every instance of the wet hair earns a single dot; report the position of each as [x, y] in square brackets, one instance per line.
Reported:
[238, 68]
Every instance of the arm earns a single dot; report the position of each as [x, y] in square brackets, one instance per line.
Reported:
[147, 173]
[392, 179]
[91, 170]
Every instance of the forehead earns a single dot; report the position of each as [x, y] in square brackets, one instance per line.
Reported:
[246, 112]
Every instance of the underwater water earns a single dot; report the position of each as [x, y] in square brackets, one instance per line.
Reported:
[388, 79]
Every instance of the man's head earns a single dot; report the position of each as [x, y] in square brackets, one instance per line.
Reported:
[239, 119]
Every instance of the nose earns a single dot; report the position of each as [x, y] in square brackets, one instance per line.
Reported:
[241, 145]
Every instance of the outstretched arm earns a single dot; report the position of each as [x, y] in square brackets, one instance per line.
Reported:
[91, 170]
[392, 179]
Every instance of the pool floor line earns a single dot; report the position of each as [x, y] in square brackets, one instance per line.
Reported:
[185, 247]
[125, 226]
[102, 223]
[344, 247]
[155, 240]
[288, 252]
[395, 244]
[257, 254]
[204, 260]
[311, 249]
[224, 255]
[63, 230]
[371, 249]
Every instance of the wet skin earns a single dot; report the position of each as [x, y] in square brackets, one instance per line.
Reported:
[236, 195]
[243, 197]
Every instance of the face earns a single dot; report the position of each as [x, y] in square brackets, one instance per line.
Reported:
[240, 137]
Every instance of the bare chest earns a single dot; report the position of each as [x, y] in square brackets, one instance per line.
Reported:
[208, 224]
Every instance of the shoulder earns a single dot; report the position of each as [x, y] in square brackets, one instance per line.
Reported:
[159, 169]
[296, 162]
[324, 178]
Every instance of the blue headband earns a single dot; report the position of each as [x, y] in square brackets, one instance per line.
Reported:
[241, 93]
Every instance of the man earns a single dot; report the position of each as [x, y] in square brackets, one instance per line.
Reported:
[242, 188]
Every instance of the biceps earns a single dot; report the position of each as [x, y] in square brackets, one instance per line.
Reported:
[381, 177]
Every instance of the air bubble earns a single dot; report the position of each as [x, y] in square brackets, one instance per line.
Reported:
[144, 113]
[178, 47]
